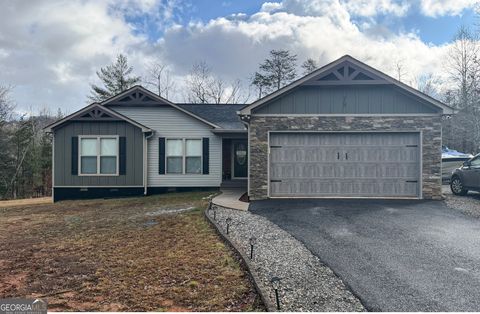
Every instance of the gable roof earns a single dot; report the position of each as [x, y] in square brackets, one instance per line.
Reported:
[153, 100]
[223, 115]
[95, 111]
[329, 75]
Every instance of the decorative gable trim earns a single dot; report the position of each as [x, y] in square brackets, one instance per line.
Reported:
[346, 71]
[140, 96]
[95, 112]
[136, 97]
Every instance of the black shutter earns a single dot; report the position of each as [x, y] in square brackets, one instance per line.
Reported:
[122, 162]
[161, 155]
[206, 155]
[74, 155]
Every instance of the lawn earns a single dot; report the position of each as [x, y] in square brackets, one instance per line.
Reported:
[121, 255]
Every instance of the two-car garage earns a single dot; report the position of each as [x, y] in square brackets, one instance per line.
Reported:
[346, 130]
[344, 164]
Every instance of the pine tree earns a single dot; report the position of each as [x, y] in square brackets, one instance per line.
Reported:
[309, 66]
[116, 78]
[261, 82]
[278, 69]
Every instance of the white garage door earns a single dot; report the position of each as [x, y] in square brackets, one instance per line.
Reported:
[344, 164]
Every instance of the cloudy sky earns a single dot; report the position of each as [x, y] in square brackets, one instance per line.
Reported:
[50, 50]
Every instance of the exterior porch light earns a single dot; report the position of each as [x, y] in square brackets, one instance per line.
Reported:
[275, 281]
[252, 242]
[228, 221]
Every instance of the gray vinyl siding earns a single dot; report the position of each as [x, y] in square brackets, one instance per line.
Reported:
[350, 99]
[63, 151]
[169, 122]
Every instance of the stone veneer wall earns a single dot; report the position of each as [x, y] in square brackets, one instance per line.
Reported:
[429, 125]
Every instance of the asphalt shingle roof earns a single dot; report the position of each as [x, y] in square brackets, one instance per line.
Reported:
[223, 115]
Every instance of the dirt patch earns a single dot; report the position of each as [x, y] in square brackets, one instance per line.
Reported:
[109, 255]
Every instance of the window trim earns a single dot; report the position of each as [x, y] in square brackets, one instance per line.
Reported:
[98, 138]
[184, 156]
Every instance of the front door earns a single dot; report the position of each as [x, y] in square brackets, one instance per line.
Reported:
[239, 159]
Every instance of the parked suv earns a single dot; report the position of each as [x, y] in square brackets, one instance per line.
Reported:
[467, 177]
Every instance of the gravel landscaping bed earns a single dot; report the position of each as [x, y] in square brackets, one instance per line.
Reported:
[306, 283]
[468, 204]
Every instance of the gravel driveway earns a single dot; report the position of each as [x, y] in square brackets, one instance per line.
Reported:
[395, 255]
[306, 283]
[468, 204]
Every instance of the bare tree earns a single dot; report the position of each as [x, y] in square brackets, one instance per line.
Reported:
[426, 84]
[400, 71]
[6, 106]
[6, 110]
[221, 92]
[25, 157]
[204, 87]
[197, 82]
[463, 65]
[462, 131]
[159, 77]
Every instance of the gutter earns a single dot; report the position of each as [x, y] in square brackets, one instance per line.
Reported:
[228, 131]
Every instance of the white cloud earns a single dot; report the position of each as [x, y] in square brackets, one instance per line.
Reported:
[271, 7]
[50, 50]
[362, 8]
[235, 47]
[370, 8]
[435, 8]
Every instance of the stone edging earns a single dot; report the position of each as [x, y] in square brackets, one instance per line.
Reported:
[259, 286]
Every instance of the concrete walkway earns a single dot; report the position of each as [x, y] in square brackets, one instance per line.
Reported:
[230, 198]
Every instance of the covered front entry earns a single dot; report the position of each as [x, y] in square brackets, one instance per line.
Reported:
[370, 164]
[235, 160]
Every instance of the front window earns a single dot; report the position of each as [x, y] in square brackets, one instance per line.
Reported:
[98, 155]
[184, 156]
[174, 156]
[193, 157]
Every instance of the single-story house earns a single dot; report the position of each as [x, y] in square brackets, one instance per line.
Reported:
[345, 130]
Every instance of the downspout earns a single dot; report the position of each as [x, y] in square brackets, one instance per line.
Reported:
[246, 120]
[145, 161]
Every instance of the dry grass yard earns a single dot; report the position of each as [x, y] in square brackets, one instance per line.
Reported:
[135, 254]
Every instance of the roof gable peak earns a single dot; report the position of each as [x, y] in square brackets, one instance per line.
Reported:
[95, 112]
[347, 71]
[136, 95]
[140, 96]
